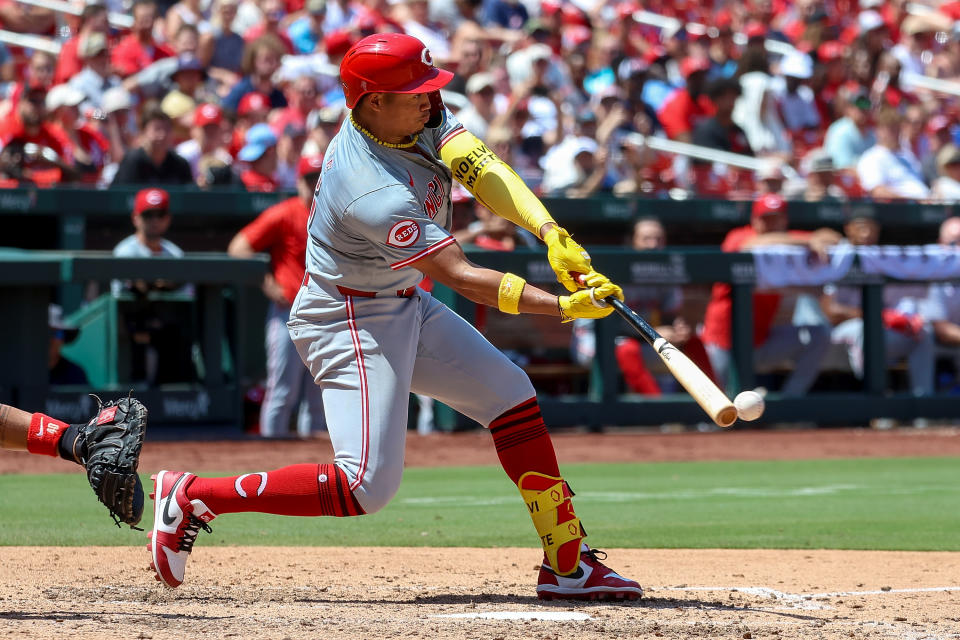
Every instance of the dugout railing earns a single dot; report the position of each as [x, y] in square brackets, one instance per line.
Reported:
[221, 303]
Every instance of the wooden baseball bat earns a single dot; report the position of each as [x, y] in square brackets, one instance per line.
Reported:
[710, 398]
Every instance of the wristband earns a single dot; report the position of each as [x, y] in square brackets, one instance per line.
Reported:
[509, 292]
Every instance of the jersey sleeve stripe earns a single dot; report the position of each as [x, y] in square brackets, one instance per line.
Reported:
[450, 136]
[432, 248]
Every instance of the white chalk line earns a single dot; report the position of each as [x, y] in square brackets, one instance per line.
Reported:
[807, 601]
[693, 494]
[551, 616]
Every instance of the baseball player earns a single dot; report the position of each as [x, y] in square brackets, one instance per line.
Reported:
[282, 229]
[369, 335]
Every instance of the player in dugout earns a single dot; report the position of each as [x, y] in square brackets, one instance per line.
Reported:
[369, 336]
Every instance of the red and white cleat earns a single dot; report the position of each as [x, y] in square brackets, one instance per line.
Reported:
[176, 522]
[591, 581]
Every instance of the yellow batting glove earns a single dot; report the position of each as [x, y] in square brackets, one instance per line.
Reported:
[589, 303]
[566, 257]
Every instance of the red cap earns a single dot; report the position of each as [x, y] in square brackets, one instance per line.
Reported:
[207, 113]
[152, 198]
[691, 65]
[337, 43]
[722, 18]
[831, 50]
[755, 29]
[253, 101]
[768, 203]
[309, 164]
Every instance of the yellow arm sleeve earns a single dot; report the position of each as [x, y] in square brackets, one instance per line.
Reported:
[493, 182]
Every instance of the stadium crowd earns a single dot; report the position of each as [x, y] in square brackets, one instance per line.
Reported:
[234, 92]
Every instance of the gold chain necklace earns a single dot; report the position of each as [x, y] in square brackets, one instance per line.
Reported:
[402, 145]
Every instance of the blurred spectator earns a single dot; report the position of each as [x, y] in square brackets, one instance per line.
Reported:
[718, 132]
[88, 149]
[37, 75]
[221, 48]
[289, 148]
[206, 138]
[944, 307]
[938, 136]
[685, 107]
[188, 12]
[261, 59]
[946, 188]
[138, 50]
[269, 25]
[93, 19]
[797, 104]
[662, 306]
[153, 161]
[301, 95]
[907, 336]
[848, 137]
[253, 109]
[159, 79]
[818, 168]
[888, 169]
[119, 126]
[160, 352]
[322, 125]
[282, 230]
[306, 32]
[62, 369]
[482, 110]
[260, 154]
[577, 165]
[414, 16]
[96, 76]
[45, 147]
[772, 344]
[490, 231]
[769, 177]
[756, 108]
[917, 37]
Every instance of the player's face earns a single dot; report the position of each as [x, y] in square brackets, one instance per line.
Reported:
[407, 113]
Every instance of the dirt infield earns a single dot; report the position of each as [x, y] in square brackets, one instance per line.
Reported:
[349, 592]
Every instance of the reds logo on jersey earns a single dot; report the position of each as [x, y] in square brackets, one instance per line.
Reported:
[403, 233]
[434, 199]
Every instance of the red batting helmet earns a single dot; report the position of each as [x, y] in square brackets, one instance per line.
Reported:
[392, 63]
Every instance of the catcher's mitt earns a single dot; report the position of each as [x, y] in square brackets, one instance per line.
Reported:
[113, 439]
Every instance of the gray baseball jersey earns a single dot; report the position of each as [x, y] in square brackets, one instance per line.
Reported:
[367, 335]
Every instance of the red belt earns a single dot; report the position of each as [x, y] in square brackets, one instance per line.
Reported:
[401, 293]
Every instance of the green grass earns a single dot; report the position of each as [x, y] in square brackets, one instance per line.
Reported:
[902, 503]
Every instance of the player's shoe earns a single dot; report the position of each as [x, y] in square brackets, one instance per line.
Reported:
[176, 522]
[591, 581]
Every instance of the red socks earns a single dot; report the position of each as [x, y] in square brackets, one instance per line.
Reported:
[297, 490]
[44, 435]
[522, 441]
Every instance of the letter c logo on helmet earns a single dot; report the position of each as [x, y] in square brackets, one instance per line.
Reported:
[390, 63]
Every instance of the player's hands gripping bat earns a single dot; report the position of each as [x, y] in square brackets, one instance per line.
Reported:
[590, 303]
[710, 398]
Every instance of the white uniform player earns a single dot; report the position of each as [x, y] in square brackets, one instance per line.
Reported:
[369, 336]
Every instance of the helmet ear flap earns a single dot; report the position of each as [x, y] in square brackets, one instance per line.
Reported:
[436, 110]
